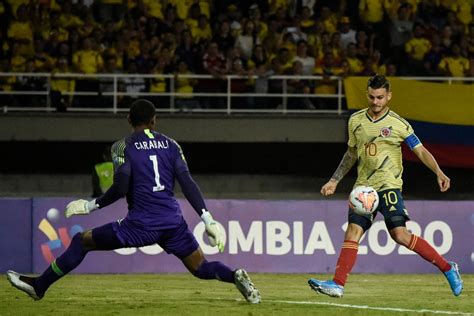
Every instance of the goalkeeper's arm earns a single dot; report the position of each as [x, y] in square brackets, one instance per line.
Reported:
[118, 189]
[193, 194]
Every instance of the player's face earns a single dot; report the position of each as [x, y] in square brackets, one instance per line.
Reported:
[378, 100]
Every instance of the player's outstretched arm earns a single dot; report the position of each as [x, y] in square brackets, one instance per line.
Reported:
[80, 207]
[348, 160]
[193, 194]
[118, 189]
[427, 158]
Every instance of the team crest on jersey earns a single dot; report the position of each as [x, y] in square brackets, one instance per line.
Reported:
[385, 131]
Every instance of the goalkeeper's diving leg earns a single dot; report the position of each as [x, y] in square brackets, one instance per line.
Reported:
[100, 238]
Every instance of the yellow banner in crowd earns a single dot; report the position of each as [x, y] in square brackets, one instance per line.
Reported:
[421, 101]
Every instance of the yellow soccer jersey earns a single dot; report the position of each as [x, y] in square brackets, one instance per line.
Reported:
[378, 145]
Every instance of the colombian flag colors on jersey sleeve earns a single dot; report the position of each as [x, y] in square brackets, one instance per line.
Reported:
[441, 115]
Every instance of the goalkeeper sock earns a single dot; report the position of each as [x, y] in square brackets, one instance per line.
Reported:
[214, 270]
[65, 263]
[427, 252]
[346, 261]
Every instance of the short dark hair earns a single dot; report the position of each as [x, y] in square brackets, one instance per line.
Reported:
[378, 81]
[141, 112]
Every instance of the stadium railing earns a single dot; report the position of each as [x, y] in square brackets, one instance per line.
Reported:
[219, 90]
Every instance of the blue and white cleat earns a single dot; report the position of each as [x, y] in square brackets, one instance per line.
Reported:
[454, 279]
[246, 287]
[329, 287]
[15, 280]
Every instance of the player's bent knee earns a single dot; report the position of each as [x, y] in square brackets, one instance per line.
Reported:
[86, 240]
[199, 271]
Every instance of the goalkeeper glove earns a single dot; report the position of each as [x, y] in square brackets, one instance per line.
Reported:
[213, 231]
[80, 207]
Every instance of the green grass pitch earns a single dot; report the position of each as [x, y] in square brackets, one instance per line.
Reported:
[282, 294]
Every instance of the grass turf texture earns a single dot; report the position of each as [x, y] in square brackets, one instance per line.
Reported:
[282, 294]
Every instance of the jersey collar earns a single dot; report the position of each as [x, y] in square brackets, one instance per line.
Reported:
[377, 120]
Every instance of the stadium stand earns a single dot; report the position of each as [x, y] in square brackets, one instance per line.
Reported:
[330, 38]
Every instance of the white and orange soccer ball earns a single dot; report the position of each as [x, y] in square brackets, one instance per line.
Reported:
[363, 200]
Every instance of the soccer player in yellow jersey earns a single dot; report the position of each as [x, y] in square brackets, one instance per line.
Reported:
[375, 137]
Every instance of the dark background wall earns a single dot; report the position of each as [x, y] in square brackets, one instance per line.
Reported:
[298, 160]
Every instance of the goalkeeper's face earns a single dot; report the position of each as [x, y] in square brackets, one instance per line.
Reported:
[378, 99]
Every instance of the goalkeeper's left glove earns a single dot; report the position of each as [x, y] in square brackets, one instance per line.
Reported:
[80, 207]
[213, 231]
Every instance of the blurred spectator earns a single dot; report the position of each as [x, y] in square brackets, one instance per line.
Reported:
[153, 9]
[159, 84]
[103, 174]
[374, 65]
[364, 44]
[213, 63]
[336, 48]
[258, 58]
[68, 20]
[185, 85]
[17, 61]
[223, 38]
[307, 23]
[433, 57]
[202, 31]
[192, 18]
[329, 20]
[106, 85]
[145, 59]
[355, 64]
[463, 11]
[33, 84]
[307, 62]
[261, 28]
[400, 33]
[348, 35]
[132, 86]
[188, 51]
[62, 88]
[283, 57]
[454, 65]
[275, 85]
[87, 61]
[327, 85]
[416, 48]
[446, 37]
[240, 85]
[20, 31]
[299, 86]
[247, 39]
[43, 62]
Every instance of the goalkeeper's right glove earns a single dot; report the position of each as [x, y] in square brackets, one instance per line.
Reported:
[213, 231]
[80, 207]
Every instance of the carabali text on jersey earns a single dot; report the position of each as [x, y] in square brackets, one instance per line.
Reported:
[152, 144]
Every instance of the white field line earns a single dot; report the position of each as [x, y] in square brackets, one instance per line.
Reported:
[391, 309]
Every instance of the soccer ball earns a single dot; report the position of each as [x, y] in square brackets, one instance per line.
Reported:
[363, 200]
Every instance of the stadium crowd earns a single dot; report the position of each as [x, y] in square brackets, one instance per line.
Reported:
[260, 38]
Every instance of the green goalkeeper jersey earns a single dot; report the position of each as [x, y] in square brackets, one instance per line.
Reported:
[378, 143]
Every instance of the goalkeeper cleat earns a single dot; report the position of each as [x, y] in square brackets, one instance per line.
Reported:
[246, 287]
[329, 288]
[454, 279]
[18, 281]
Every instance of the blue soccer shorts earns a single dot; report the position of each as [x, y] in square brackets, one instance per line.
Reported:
[391, 206]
